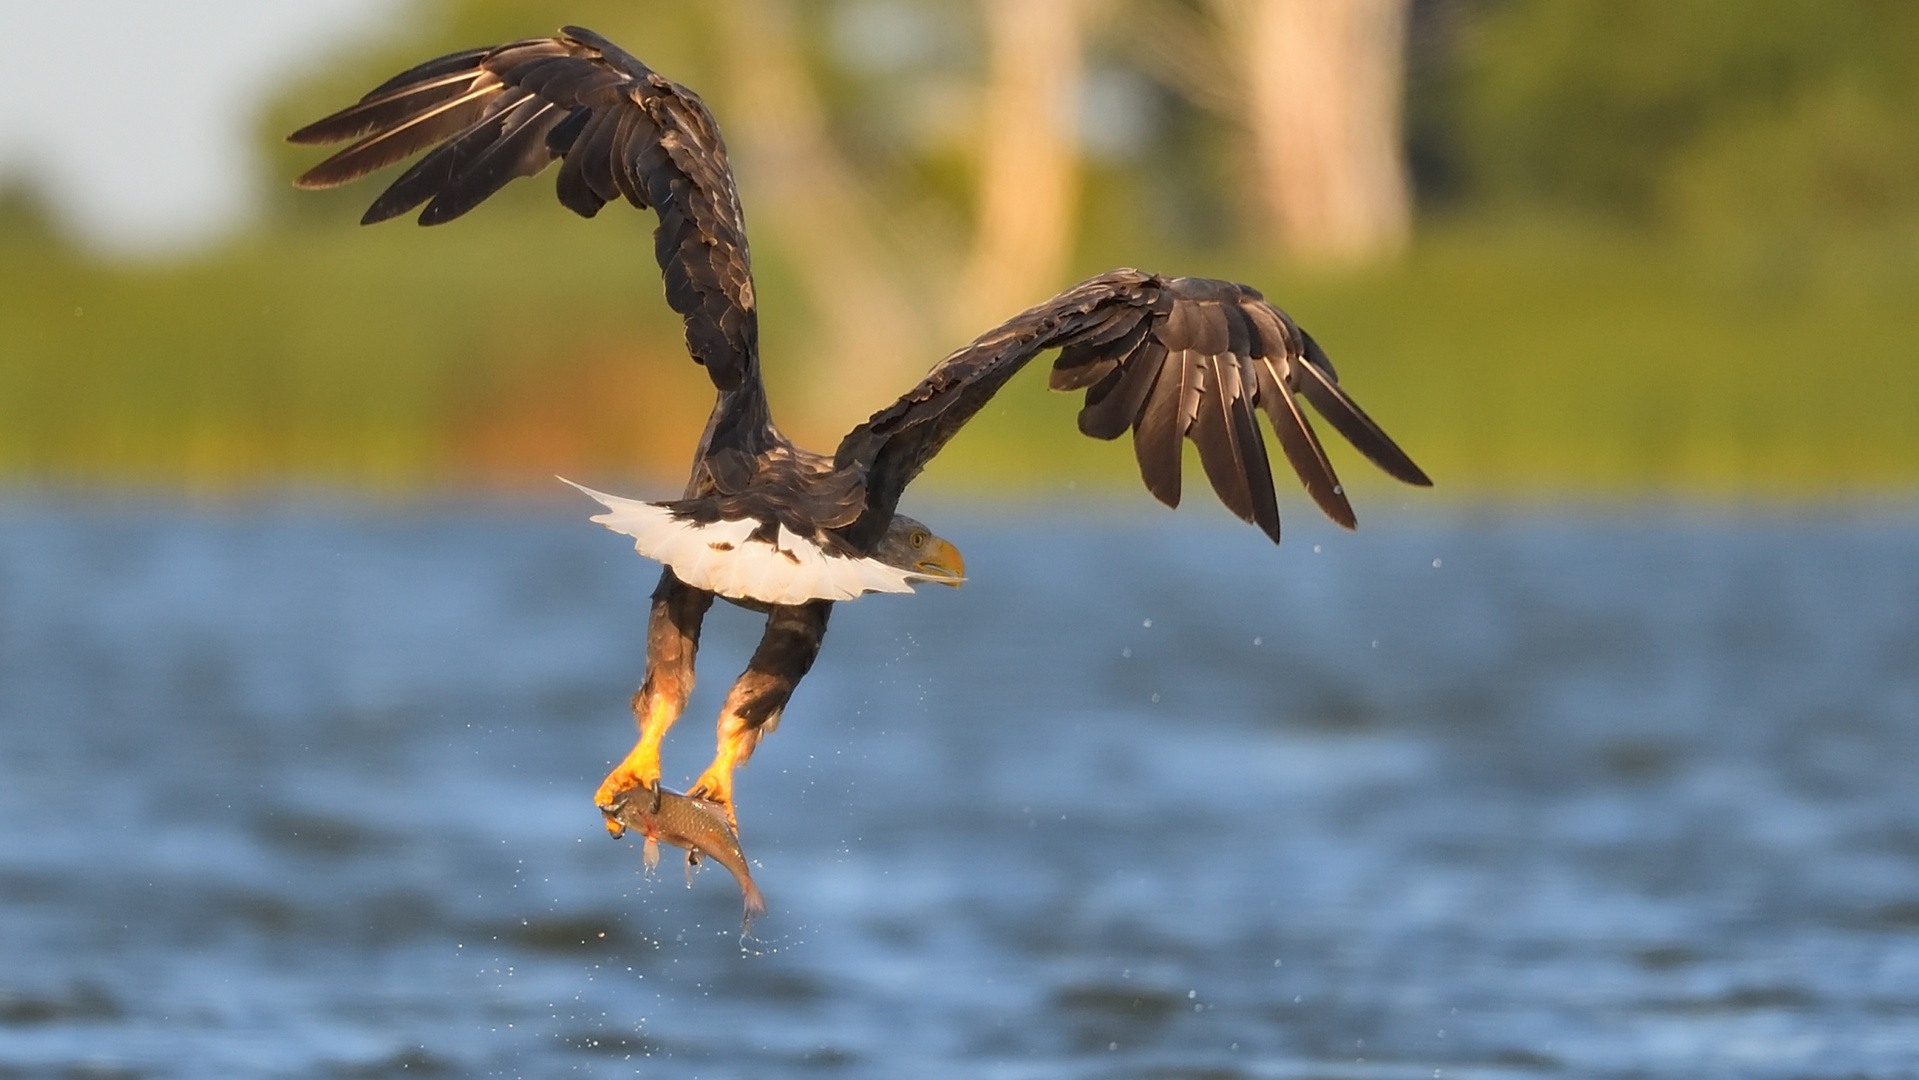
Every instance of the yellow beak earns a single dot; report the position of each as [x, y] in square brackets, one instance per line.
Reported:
[942, 563]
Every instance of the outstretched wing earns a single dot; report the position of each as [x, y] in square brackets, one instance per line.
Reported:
[1171, 359]
[491, 115]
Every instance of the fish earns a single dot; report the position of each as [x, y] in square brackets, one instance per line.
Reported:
[697, 825]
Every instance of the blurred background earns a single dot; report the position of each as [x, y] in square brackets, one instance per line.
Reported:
[1596, 760]
[1562, 248]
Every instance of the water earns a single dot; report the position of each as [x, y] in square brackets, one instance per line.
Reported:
[297, 790]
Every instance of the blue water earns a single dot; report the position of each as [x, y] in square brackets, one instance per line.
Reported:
[300, 789]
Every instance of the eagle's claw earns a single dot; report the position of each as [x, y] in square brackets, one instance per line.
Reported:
[617, 789]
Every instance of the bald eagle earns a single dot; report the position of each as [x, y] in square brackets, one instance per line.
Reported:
[773, 526]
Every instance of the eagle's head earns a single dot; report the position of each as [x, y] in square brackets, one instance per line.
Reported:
[910, 545]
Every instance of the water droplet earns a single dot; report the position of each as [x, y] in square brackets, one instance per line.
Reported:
[1147, 623]
[1435, 564]
[1191, 994]
[1155, 699]
[1126, 654]
[1256, 641]
[1111, 1046]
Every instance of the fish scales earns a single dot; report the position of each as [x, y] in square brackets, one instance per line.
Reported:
[700, 827]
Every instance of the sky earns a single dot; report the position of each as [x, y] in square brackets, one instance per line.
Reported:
[133, 116]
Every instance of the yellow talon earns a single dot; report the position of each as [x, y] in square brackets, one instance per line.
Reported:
[716, 786]
[641, 769]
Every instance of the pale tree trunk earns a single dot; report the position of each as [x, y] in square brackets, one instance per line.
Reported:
[1324, 82]
[1029, 164]
[824, 221]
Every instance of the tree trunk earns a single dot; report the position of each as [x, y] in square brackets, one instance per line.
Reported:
[1325, 80]
[1029, 159]
[824, 222]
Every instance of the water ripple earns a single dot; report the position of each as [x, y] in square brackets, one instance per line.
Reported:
[290, 791]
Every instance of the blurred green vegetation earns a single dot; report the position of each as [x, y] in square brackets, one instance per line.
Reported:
[1664, 246]
[1699, 116]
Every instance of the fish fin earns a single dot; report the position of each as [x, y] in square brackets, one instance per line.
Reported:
[650, 854]
[692, 864]
[755, 904]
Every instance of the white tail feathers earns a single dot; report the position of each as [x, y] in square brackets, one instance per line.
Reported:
[718, 557]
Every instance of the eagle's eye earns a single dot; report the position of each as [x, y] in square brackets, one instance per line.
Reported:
[917, 538]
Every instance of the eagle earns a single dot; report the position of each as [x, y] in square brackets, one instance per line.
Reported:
[772, 526]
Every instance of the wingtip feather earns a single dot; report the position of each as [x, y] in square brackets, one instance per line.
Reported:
[1320, 388]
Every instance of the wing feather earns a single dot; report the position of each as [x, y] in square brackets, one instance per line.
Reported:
[488, 116]
[1087, 360]
[1179, 328]
[575, 191]
[1230, 448]
[380, 111]
[1098, 372]
[631, 139]
[416, 185]
[1174, 359]
[1256, 469]
[1158, 429]
[517, 149]
[1316, 383]
[1306, 455]
[464, 60]
[1240, 336]
[1217, 439]
[427, 124]
[1211, 336]
[595, 152]
[564, 134]
[1111, 409]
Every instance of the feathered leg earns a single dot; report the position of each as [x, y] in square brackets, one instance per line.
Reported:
[785, 655]
[672, 642]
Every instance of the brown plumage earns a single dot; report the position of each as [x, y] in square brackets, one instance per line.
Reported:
[1169, 359]
[624, 132]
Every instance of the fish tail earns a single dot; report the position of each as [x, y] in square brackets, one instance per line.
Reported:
[755, 903]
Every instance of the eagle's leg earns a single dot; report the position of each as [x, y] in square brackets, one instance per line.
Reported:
[785, 654]
[672, 642]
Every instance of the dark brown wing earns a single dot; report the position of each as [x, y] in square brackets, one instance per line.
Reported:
[1185, 358]
[490, 115]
